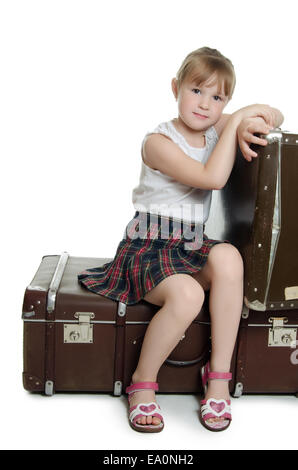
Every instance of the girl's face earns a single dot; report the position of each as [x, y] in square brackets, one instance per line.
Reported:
[200, 107]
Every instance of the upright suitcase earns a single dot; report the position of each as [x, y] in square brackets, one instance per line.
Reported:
[260, 204]
[259, 209]
[76, 340]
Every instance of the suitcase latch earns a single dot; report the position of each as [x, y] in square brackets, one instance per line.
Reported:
[81, 332]
[279, 335]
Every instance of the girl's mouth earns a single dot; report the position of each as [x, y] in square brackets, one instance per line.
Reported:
[201, 116]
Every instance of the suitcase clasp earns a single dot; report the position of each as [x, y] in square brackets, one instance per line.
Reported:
[280, 336]
[81, 332]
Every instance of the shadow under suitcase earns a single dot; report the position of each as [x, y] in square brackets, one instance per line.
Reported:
[79, 341]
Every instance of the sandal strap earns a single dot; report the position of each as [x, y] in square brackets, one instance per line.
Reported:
[220, 375]
[207, 374]
[145, 409]
[139, 386]
[207, 411]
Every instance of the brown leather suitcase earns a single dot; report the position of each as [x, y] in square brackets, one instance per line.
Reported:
[260, 204]
[76, 340]
[259, 209]
[267, 352]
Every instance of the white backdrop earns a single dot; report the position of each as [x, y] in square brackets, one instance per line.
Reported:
[81, 83]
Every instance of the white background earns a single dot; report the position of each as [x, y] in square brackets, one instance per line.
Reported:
[81, 83]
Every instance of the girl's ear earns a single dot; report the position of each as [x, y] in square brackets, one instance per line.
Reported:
[175, 87]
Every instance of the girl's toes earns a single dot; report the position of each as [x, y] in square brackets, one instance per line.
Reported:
[155, 420]
[216, 421]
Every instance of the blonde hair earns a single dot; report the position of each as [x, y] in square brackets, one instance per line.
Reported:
[202, 63]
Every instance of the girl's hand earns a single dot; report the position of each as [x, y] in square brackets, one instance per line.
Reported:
[245, 132]
[258, 110]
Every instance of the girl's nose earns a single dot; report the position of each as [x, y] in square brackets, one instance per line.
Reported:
[204, 103]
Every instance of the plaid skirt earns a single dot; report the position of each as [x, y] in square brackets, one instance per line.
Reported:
[153, 247]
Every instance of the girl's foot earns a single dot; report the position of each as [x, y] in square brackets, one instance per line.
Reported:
[218, 389]
[215, 410]
[144, 396]
[142, 392]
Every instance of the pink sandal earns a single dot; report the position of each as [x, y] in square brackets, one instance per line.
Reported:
[213, 408]
[144, 409]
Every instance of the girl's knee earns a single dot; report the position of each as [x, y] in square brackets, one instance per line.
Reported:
[224, 259]
[188, 298]
[179, 290]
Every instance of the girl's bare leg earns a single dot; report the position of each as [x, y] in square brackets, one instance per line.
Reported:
[181, 298]
[223, 272]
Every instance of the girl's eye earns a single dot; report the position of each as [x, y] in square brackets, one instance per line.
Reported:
[196, 90]
[217, 98]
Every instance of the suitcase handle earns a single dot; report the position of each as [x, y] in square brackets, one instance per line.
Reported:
[178, 363]
[186, 363]
[55, 282]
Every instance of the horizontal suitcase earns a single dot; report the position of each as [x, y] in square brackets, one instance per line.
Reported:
[267, 352]
[257, 210]
[76, 340]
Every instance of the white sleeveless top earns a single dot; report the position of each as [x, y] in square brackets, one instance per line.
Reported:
[159, 193]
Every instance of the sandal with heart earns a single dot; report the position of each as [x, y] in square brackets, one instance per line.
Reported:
[144, 409]
[213, 408]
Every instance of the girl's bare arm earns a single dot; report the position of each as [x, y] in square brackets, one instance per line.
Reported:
[160, 153]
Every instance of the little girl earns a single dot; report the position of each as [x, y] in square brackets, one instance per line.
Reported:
[165, 257]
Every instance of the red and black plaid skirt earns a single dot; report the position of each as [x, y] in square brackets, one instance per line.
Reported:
[153, 247]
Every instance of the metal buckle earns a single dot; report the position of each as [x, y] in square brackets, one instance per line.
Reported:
[81, 332]
[280, 335]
